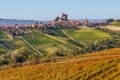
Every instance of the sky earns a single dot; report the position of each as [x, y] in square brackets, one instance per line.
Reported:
[48, 9]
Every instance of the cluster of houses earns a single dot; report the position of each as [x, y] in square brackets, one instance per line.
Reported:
[65, 22]
[59, 21]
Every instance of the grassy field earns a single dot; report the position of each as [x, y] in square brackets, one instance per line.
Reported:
[3, 36]
[19, 43]
[115, 24]
[103, 65]
[87, 36]
[47, 44]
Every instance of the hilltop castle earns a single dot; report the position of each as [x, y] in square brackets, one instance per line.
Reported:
[63, 17]
[63, 21]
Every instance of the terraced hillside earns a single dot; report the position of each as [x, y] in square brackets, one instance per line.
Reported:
[19, 43]
[87, 36]
[7, 43]
[3, 36]
[64, 41]
[103, 65]
[60, 33]
[47, 44]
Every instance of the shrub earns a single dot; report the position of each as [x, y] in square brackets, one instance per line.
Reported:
[4, 62]
[58, 53]
[20, 59]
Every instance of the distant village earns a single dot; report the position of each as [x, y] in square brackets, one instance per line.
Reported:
[61, 21]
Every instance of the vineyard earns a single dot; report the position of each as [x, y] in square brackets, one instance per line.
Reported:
[2, 36]
[19, 43]
[6, 45]
[47, 44]
[103, 65]
[87, 36]
[60, 41]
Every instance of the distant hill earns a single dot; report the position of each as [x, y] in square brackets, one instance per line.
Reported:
[103, 65]
[93, 20]
[4, 22]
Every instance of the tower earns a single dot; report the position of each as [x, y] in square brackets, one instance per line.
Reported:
[64, 16]
[86, 22]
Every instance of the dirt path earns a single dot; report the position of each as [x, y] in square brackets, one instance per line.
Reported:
[80, 44]
[114, 28]
[32, 47]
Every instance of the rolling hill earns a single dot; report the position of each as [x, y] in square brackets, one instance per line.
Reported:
[4, 22]
[103, 65]
[115, 23]
[60, 42]
[47, 44]
[64, 41]
[87, 36]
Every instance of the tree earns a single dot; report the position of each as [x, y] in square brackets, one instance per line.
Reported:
[58, 53]
[109, 20]
[20, 59]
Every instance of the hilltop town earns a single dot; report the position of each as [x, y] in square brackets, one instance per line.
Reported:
[65, 22]
[61, 21]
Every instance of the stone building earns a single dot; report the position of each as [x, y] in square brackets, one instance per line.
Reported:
[63, 17]
[86, 22]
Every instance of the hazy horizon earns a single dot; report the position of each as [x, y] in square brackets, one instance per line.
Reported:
[45, 10]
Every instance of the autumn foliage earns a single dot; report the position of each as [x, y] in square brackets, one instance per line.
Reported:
[103, 65]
